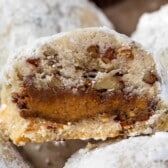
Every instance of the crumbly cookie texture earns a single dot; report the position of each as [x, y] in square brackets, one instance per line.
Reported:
[88, 83]
[9, 157]
[22, 22]
[144, 152]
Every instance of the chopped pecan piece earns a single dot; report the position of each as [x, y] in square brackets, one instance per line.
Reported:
[125, 52]
[93, 51]
[33, 61]
[108, 55]
[150, 78]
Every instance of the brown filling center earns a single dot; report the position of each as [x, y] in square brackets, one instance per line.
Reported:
[64, 106]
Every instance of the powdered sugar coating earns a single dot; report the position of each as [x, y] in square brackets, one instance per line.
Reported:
[151, 30]
[9, 157]
[152, 33]
[144, 152]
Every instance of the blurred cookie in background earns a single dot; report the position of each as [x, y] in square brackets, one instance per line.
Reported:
[152, 33]
[140, 152]
[125, 14]
[152, 30]
[106, 3]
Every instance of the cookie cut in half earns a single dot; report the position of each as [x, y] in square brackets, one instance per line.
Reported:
[88, 83]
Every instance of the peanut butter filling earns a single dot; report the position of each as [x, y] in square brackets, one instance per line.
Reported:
[64, 106]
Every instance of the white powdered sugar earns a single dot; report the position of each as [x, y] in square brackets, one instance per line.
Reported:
[3, 107]
[137, 152]
[152, 30]
[9, 157]
[152, 33]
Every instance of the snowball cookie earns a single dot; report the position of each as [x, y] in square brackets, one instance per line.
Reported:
[135, 152]
[152, 33]
[9, 157]
[23, 21]
[87, 83]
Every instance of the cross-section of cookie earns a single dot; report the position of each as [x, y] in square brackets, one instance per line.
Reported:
[88, 83]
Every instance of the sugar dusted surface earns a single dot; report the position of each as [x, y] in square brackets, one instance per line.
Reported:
[144, 152]
[152, 33]
[9, 157]
[151, 30]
